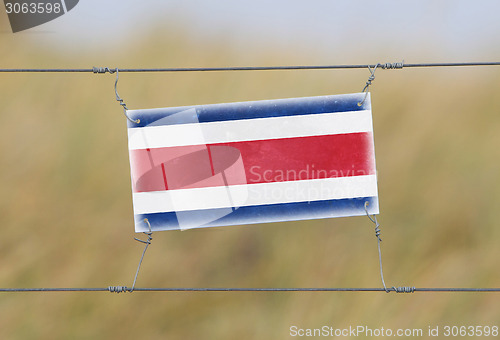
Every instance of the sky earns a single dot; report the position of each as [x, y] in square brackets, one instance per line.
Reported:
[450, 30]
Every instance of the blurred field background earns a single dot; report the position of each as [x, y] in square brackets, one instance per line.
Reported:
[66, 210]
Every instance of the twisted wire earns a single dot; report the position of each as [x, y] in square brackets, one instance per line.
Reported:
[379, 239]
[118, 98]
[147, 242]
[117, 289]
[102, 70]
[392, 66]
[368, 83]
[377, 234]
[404, 289]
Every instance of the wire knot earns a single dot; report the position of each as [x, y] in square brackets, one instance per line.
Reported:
[374, 220]
[370, 78]
[402, 289]
[103, 70]
[378, 232]
[120, 100]
[118, 289]
[147, 233]
[368, 83]
[392, 66]
[147, 243]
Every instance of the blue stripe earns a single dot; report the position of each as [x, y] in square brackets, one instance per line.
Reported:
[251, 110]
[267, 213]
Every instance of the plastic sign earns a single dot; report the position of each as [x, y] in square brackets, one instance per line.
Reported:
[252, 162]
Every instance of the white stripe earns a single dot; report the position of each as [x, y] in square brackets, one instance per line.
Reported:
[250, 129]
[255, 194]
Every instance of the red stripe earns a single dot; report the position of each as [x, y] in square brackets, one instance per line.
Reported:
[264, 161]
